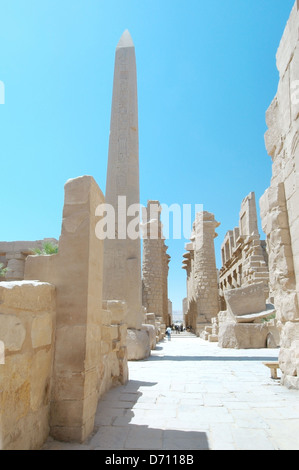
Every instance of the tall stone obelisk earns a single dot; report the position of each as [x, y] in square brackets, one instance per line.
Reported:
[122, 255]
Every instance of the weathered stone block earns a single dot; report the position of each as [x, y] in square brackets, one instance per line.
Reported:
[105, 317]
[12, 332]
[151, 330]
[138, 344]
[40, 379]
[246, 300]
[242, 336]
[118, 311]
[42, 330]
[28, 295]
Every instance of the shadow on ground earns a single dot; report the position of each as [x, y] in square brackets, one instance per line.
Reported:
[114, 429]
[211, 358]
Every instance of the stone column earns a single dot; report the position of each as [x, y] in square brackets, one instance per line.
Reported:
[202, 278]
[205, 271]
[166, 261]
[155, 264]
[188, 264]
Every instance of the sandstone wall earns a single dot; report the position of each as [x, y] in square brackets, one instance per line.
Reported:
[280, 202]
[90, 344]
[155, 265]
[62, 348]
[200, 265]
[244, 260]
[13, 256]
[27, 329]
[114, 357]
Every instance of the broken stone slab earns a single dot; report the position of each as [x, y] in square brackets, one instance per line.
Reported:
[253, 317]
[246, 300]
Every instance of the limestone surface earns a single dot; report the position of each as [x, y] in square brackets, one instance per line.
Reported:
[280, 203]
[27, 330]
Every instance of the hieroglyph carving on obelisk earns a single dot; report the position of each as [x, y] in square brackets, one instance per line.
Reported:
[122, 255]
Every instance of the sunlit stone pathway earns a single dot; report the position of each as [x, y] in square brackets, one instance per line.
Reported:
[192, 395]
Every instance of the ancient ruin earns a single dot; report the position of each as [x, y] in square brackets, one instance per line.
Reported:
[280, 202]
[13, 256]
[122, 252]
[243, 280]
[244, 324]
[243, 253]
[155, 265]
[71, 321]
[62, 350]
[244, 288]
[200, 265]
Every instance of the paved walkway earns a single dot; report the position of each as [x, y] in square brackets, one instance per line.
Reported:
[191, 394]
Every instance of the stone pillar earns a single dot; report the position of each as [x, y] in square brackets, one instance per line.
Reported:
[248, 216]
[166, 261]
[202, 277]
[205, 271]
[254, 266]
[188, 264]
[122, 255]
[170, 321]
[76, 271]
[155, 263]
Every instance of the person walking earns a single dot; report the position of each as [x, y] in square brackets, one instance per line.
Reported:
[168, 332]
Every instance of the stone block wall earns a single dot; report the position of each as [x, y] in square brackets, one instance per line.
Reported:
[244, 259]
[280, 202]
[13, 256]
[63, 350]
[114, 364]
[89, 351]
[27, 329]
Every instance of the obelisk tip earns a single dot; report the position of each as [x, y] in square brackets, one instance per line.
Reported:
[126, 40]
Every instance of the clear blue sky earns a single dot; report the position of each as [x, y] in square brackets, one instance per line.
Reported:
[206, 76]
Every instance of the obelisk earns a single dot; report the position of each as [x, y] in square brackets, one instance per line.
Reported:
[122, 255]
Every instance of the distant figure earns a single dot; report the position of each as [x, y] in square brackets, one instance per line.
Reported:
[168, 332]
